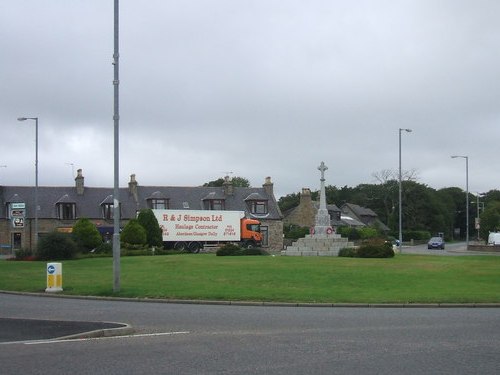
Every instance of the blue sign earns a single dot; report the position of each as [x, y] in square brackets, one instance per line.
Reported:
[51, 269]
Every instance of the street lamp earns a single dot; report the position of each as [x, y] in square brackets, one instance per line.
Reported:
[400, 193]
[466, 197]
[36, 175]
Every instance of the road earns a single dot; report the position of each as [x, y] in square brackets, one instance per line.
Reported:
[451, 249]
[214, 339]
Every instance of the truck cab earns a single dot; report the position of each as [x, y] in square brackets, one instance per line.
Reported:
[250, 233]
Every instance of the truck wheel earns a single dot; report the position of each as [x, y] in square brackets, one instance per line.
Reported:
[180, 246]
[194, 247]
[249, 245]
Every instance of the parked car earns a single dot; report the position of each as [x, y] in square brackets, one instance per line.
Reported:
[436, 243]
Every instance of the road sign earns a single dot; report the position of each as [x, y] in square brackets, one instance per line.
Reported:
[17, 213]
[18, 222]
[54, 277]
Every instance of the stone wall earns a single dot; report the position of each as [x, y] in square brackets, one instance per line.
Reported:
[275, 228]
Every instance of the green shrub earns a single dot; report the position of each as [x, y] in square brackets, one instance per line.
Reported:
[104, 248]
[375, 248]
[348, 252]
[149, 222]
[56, 246]
[295, 232]
[23, 254]
[229, 249]
[133, 234]
[86, 235]
[252, 251]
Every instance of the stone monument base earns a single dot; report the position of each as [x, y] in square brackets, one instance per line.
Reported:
[311, 245]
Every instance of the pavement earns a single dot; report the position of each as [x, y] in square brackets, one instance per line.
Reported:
[22, 330]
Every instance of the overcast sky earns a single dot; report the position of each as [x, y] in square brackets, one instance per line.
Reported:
[253, 87]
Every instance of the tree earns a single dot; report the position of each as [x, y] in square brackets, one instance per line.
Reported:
[490, 219]
[235, 181]
[289, 201]
[149, 222]
[86, 235]
[133, 234]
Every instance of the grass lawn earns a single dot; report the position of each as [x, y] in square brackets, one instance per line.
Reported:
[402, 279]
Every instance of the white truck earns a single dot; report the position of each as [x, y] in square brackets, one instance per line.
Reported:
[192, 229]
[494, 239]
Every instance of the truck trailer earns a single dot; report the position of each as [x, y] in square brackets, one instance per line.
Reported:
[193, 229]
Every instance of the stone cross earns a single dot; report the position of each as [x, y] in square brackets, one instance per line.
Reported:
[322, 168]
[322, 228]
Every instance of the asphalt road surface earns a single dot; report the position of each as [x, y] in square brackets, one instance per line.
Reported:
[215, 339]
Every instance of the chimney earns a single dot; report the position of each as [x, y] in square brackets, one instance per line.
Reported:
[132, 187]
[228, 186]
[268, 186]
[305, 197]
[79, 182]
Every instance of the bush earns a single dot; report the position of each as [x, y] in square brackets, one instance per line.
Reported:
[229, 249]
[295, 232]
[23, 254]
[104, 248]
[86, 235]
[56, 246]
[133, 235]
[348, 252]
[253, 251]
[149, 222]
[232, 250]
[375, 248]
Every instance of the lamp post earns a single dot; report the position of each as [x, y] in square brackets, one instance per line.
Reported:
[400, 194]
[36, 175]
[116, 122]
[466, 197]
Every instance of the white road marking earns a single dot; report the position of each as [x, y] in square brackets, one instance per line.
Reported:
[38, 342]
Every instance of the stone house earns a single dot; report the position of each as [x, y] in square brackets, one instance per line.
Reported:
[363, 215]
[60, 207]
[349, 214]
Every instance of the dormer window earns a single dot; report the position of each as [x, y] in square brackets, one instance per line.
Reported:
[66, 211]
[216, 204]
[158, 204]
[65, 208]
[214, 201]
[258, 207]
[108, 208]
[257, 204]
[157, 201]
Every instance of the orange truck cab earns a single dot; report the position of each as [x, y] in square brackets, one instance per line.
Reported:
[250, 233]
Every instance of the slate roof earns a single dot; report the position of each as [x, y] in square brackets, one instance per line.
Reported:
[89, 204]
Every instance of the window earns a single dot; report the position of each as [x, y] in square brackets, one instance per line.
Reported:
[258, 207]
[107, 211]
[158, 204]
[264, 231]
[66, 211]
[216, 204]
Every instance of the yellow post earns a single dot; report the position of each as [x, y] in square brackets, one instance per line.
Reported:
[54, 277]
